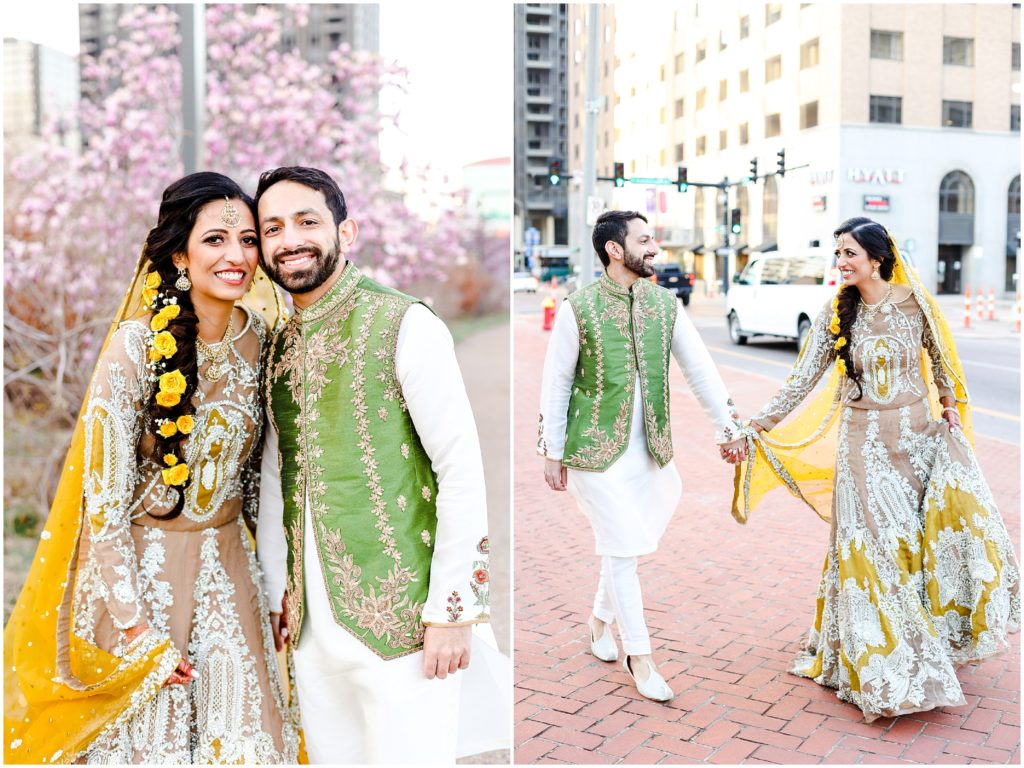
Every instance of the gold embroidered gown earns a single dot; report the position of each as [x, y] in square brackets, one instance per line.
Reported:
[194, 578]
[920, 574]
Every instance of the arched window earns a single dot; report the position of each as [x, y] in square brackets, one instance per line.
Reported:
[1013, 197]
[956, 193]
[770, 210]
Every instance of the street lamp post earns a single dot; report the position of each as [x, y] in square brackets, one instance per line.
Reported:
[589, 146]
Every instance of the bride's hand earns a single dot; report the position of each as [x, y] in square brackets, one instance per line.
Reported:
[733, 452]
[183, 673]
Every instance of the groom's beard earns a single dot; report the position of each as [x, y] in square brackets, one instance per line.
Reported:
[636, 263]
[313, 276]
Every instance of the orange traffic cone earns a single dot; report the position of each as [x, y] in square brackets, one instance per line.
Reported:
[967, 307]
[991, 303]
[549, 313]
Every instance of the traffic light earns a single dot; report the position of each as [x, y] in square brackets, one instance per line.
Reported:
[681, 183]
[620, 174]
[555, 172]
[737, 225]
[781, 154]
[753, 170]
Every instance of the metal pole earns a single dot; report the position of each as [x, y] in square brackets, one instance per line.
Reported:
[589, 185]
[725, 236]
[193, 84]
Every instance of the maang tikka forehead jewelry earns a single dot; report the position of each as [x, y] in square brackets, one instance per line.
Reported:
[229, 215]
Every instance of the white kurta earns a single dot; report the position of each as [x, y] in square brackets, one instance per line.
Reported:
[355, 706]
[630, 503]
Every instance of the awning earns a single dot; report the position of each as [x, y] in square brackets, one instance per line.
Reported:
[764, 248]
[695, 247]
[741, 248]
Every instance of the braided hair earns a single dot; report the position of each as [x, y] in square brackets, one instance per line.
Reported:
[171, 423]
[875, 239]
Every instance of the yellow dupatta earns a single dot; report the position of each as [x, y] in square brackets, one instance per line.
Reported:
[799, 454]
[62, 692]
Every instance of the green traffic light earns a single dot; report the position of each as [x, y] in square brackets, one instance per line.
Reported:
[555, 179]
[735, 229]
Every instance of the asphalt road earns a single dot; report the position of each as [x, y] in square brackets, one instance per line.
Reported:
[990, 353]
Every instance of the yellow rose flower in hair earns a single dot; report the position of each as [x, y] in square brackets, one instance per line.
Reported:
[153, 355]
[167, 399]
[153, 280]
[159, 322]
[841, 366]
[173, 382]
[840, 343]
[170, 459]
[168, 429]
[164, 344]
[186, 424]
[149, 296]
[176, 475]
[834, 326]
[171, 311]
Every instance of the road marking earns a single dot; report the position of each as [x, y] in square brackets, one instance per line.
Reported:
[990, 365]
[997, 414]
[745, 356]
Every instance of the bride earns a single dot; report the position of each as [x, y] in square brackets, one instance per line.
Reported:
[142, 634]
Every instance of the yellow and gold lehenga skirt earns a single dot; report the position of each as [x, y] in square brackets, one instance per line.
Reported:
[920, 575]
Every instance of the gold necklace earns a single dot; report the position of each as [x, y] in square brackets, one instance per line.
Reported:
[870, 310]
[217, 356]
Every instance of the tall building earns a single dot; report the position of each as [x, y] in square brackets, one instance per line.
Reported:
[40, 85]
[540, 120]
[909, 114]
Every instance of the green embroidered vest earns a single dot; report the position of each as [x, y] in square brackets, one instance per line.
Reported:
[622, 332]
[349, 449]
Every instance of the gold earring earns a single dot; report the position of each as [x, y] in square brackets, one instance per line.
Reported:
[183, 283]
[875, 275]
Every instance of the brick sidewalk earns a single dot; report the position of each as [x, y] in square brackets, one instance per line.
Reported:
[728, 606]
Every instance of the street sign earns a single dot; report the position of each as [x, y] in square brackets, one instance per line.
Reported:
[876, 203]
[595, 207]
[650, 180]
[820, 202]
[651, 200]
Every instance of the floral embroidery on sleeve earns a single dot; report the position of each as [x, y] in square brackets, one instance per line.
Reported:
[454, 606]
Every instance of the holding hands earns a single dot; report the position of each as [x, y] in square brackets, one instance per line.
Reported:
[734, 452]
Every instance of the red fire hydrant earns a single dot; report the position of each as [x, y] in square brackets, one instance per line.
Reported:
[549, 313]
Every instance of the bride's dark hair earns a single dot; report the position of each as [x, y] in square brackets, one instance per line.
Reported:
[179, 209]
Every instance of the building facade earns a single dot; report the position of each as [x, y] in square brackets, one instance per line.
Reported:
[40, 88]
[908, 114]
[541, 117]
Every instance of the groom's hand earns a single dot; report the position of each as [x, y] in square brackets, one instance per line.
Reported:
[279, 624]
[445, 650]
[733, 452]
[555, 475]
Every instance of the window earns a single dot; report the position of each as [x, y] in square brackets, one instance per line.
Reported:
[662, 74]
[723, 89]
[661, 158]
[680, 104]
[808, 115]
[1013, 197]
[886, 109]
[744, 27]
[1015, 57]
[958, 51]
[886, 45]
[680, 62]
[1015, 117]
[773, 69]
[809, 54]
[701, 145]
[744, 80]
[723, 139]
[956, 193]
[772, 13]
[772, 125]
[680, 154]
[607, 143]
[721, 40]
[957, 114]
[744, 133]
[661, 115]
[701, 94]
[702, 50]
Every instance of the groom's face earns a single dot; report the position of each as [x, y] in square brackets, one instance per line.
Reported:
[300, 242]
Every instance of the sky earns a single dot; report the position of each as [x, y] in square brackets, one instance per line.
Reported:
[458, 108]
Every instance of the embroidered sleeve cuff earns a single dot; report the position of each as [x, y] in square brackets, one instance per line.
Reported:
[470, 622]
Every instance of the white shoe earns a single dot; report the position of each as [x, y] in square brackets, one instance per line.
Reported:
[654, 687]
[603, 647]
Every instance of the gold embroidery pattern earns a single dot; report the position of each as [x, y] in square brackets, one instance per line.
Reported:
[659, 440]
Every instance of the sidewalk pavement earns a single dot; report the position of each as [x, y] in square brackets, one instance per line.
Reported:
[728, 607]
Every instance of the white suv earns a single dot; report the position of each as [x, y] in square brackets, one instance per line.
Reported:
[778, 295]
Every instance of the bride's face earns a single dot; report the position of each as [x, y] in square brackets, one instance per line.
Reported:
[222, 254]
[853, 261]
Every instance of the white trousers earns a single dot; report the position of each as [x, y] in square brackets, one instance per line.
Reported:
[359, 708]
[618, 599]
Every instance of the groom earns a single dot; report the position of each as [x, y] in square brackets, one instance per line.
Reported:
[372, 506]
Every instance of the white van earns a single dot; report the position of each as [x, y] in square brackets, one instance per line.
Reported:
[780, 295]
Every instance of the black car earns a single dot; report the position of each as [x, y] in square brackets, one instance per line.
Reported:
[671, 276]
